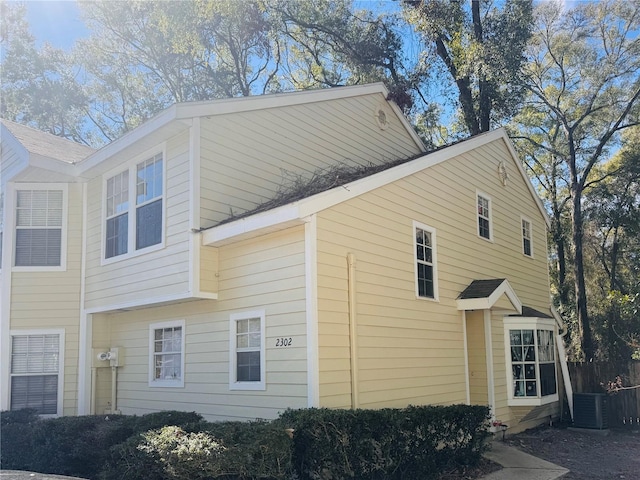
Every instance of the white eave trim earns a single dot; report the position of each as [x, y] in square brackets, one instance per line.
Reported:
[486, 303]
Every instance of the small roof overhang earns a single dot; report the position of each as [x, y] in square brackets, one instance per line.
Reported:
[486, 294]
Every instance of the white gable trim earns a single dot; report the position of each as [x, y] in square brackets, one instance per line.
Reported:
[296, 212]
[488, 302]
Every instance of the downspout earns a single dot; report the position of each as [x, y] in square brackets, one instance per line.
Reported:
[94, 380]
[562, 331]
[114, 389]
[353, 346]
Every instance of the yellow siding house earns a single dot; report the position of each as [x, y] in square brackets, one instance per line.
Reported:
[240, 257]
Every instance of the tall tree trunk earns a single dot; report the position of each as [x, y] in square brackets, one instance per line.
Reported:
[584, 328]
[559, 242]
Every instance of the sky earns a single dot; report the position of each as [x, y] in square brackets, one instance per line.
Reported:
[57, 22]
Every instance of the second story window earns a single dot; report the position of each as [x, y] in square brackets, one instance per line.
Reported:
[39, 228]
[527, 247]
[134, 208]
[425, 261]
[484, 216]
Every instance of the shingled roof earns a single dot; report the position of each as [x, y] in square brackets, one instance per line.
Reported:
[480, 288]
[48, 145]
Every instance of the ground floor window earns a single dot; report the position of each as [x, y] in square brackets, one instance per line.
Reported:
[166, 346]
[531, 361]
[247, 352]
[36, 372]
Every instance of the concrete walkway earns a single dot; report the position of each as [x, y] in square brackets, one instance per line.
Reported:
[519, 465]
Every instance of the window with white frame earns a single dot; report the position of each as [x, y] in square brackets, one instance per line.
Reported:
[527, 245]
[532, 362]
[39, 228]
[166, 359]
[425, 261]
[484, 216]
[247, 351]
[36, 372]
[134, 207]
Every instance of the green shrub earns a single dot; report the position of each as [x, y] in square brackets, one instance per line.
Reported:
[184, 455]
[250, 450]
[416, 442]
[15, 438]
[79, 446]
[258, 449]
[410, 443]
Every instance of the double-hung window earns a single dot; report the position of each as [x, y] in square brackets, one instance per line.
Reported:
[134, 206]
[247, 351]
[36, 371]
[39, 240]
[485, 229]
[166, 359]
[532, 361]
[425, 261]
[527, 245]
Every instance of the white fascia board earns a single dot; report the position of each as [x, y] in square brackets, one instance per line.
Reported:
[486, 303]
[506, 289]
[300, 210]
[163, 118]
[150, 302]
[287, 214]
[272, 100]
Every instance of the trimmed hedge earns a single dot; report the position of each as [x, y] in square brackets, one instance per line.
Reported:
[409, 443]
[77, 446]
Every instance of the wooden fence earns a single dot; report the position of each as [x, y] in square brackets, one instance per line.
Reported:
[623, 407]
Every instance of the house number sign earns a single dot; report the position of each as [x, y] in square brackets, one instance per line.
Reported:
[283, 342]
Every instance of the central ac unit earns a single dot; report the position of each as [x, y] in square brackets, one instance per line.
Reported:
[590, 410]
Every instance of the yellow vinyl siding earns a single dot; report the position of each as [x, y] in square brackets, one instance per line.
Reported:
[58, 294]
[247, 157]
[263, 273]
[152, 275]
[208, 269]
[412, 350]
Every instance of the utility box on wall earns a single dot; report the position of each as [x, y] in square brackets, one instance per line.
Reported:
[590, 410]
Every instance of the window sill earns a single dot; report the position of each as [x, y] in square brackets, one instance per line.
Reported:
[167, 384]
[247, 386]
[533, 401]
[39, 269]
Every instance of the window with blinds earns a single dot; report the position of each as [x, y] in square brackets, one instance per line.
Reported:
[35, 368]
[39, 228]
